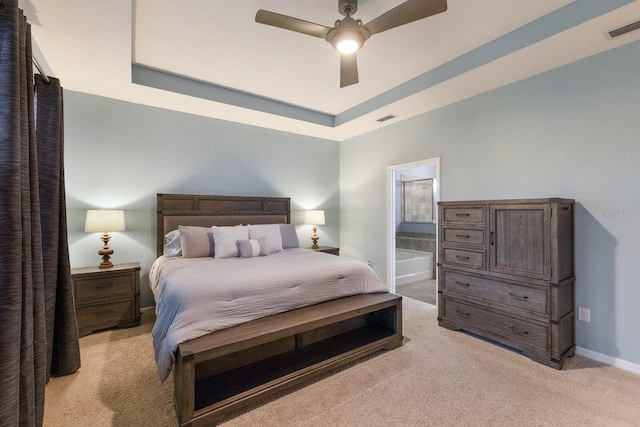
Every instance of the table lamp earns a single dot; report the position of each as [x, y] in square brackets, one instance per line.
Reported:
[314, 218]
[104, 220]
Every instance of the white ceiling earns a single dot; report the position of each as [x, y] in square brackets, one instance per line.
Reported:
[473, 47]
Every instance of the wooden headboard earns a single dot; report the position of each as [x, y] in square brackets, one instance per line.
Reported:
[205, 211]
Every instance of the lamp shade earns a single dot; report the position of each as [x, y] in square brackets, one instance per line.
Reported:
[314, 217]
[104, 220]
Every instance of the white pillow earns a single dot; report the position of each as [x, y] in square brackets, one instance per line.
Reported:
[271, 232]
[225, 238]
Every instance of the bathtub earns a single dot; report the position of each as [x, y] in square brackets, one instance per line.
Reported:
[413, 266]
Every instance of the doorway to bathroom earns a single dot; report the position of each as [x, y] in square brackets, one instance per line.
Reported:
[413, 193]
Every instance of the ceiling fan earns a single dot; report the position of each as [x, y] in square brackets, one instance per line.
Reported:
[348, 35]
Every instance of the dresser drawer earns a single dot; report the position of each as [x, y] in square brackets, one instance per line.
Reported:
[518, 330]
[469, 236]
[464, 258]
[528, 298]
[105, 315]
[471, 214]
[104, 285]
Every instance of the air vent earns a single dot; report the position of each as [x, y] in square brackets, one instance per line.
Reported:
[385, 118]
[624, 30]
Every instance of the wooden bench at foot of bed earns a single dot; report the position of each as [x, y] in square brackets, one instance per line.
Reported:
[232, 368]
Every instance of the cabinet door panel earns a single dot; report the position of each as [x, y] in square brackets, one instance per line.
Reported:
[520, 240]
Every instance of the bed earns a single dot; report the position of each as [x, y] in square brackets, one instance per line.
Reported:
[269, 322]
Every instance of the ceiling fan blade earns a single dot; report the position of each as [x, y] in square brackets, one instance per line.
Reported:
[290, 23]
[348, 69]
[404, 13]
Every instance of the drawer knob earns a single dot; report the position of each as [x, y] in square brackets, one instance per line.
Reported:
[104, 286]
[519, 297]
[463, 236]
[462, 258]
[518, 331]
[466, 285]
[462, 215]
[103, 313]
[463, 313]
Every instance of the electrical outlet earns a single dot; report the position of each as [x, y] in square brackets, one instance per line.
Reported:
[584, 314]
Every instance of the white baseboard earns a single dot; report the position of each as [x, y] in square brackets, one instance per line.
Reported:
[608, 360]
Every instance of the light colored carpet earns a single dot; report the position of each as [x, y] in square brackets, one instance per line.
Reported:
[437, 378]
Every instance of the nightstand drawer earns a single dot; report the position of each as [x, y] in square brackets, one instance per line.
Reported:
[105, 315]
[106, 286]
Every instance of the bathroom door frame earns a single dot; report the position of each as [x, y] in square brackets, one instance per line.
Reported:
[392, 171]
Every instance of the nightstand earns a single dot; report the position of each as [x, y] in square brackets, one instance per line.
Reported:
[106, 298]
[328, 250]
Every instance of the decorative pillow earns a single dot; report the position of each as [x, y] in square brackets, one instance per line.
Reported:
[289, 236]
[225, 239]
[271, 232]
[172, 244]
[196, 242]
[252, 247]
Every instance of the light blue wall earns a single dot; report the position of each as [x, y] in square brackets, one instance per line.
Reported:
[119, 155]
[573, 132]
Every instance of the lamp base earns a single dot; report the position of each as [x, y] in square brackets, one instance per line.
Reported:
[106, 263]
[106, 252]
[315, 238]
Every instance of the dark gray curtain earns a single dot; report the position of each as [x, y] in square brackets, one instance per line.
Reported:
[38, 330]
[63, 352]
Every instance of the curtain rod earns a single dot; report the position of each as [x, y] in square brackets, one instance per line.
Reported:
[42, 73]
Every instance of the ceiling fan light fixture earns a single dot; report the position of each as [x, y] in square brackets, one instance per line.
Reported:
[348, 35]
[347, 42]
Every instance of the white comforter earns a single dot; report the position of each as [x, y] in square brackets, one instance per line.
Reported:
[196, 296]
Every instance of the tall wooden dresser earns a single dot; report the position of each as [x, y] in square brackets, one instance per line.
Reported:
[506, 273]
